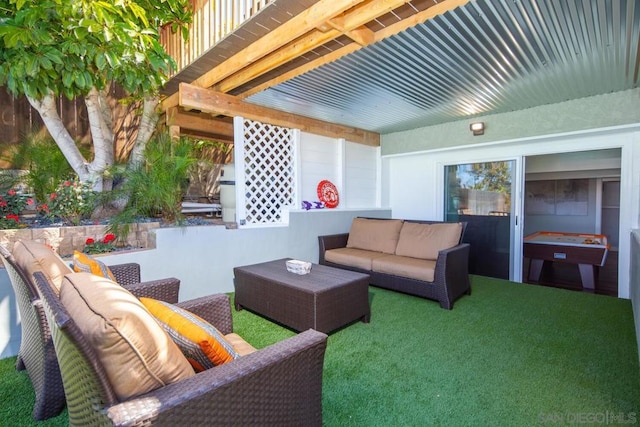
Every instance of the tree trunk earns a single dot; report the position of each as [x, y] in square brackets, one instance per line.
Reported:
[51, 118]
[145, 130]
[102, 137]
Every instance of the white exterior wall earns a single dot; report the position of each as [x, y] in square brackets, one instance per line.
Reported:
[415, 181]
[361, 175]
[319, 160]
[353, 168]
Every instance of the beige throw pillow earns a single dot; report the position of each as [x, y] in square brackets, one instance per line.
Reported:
[137, 354]
[426, 240]
[32, 257]
[379, 235]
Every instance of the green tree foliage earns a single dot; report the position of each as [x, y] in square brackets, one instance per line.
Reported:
[80, 49]
[493, 176]
[69, 47]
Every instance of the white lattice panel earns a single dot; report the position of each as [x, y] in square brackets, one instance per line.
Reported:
[268, 170]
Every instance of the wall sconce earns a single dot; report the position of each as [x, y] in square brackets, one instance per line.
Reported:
[477, 128]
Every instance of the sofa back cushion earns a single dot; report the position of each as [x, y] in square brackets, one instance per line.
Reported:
[137, 354]
[32, 256]
[379, 235]
[426, 240]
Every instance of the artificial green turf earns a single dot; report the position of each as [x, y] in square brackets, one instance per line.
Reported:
[509, 354]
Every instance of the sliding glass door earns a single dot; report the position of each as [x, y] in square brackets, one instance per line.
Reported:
[481, 194]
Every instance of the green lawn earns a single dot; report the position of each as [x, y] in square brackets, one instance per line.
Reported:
[509, 354]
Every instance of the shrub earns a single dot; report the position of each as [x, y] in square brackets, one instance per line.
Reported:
[107, 244]
[71, 202]
[156, 188]
[45, 164]
[11, 221]
[11, 204]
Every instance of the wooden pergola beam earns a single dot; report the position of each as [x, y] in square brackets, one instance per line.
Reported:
[359, 43]
[306, 21]
[350, 23]
[209, 101]
[322, 22]
[199, 123]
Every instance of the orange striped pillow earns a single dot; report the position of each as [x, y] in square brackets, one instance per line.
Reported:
[201, 343]
[85, 263]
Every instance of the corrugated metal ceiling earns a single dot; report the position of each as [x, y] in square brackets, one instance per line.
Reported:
[485, 57]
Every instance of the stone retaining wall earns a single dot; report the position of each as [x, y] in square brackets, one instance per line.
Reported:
[67, 239]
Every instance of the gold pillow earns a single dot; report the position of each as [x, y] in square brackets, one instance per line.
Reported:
[32, 256]
[426, 240]
[379, 235]
[137, 354]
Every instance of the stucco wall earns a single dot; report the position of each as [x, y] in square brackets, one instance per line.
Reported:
[615, 109]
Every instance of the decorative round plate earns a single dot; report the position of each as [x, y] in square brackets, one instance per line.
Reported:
[328, 194]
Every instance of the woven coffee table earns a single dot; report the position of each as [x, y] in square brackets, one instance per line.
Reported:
[325, 299]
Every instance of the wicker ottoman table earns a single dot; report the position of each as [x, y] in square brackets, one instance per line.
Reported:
[325, 299]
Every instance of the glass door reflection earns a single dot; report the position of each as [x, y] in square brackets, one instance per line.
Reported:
[480, 195]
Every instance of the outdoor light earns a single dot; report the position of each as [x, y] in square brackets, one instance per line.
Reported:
[477, 128]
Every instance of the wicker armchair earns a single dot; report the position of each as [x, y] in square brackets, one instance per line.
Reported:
[278, 385]
[36, 353]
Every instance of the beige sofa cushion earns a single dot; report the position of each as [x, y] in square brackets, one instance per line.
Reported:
[358, 258]
[414, 268]
[137, 354]
[380, 235]
[426, 240]
[32, 257]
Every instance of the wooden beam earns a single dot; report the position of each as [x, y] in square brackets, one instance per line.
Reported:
[363, 36]
[413, 20]
[325, 59]
[281, 56]
[199, 122]
[350, 23]
[204, 135]
[169, 102]
[210, 101]
[420, 17]
[304, 22]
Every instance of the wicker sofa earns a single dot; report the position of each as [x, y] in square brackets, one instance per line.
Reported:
[421, 258]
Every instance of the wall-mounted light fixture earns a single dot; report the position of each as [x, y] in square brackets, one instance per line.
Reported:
[477, 128]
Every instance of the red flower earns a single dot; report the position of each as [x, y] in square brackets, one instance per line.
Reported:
[13, 217]
[109, 238]
[43, 207]
[3, 204]
[89, 241]
[11, 192]
[29, 202]
[67, 183]
[52, 196]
